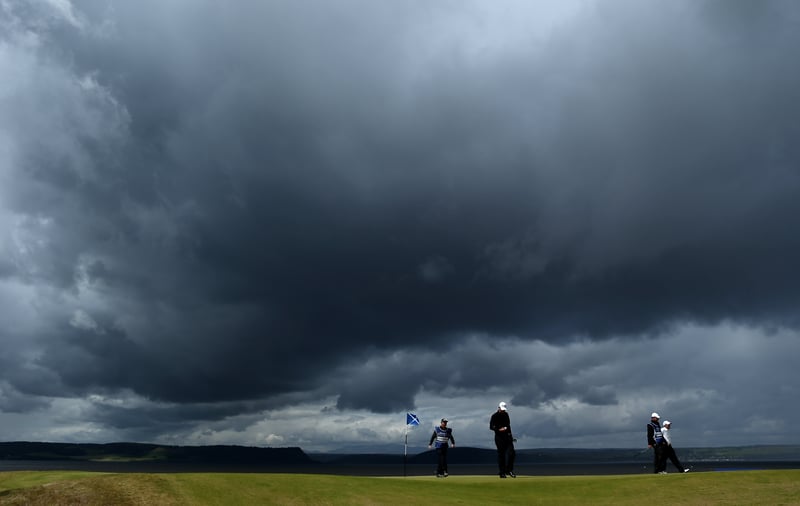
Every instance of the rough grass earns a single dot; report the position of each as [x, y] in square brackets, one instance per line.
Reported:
[83, 488]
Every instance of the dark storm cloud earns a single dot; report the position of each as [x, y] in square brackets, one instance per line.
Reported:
[239, 201]
[13, 401]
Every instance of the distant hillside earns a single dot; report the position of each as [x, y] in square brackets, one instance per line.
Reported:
[295, 457]
[140, 452]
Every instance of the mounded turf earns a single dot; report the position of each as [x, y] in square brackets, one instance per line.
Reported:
[66, 488]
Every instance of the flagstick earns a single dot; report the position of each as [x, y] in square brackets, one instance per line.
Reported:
[411, 419]
[405, 453]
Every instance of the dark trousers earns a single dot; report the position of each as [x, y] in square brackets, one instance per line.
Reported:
[505, 453]
[660, 457]
[671, 455]
[442, 467]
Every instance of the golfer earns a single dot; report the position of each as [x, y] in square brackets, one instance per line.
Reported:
[500, 423]
[442, 435]
[671, 455]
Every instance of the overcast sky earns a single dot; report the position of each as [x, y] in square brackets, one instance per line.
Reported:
[283, 223]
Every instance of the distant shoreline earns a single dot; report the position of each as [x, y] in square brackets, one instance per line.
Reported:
[150, 458]
[396, 470]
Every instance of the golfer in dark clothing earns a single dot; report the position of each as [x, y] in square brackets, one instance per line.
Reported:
[442, 435]
[500, 423]
[671, 455]
[656, 441]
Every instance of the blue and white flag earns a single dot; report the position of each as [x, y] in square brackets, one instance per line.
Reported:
[411, 419]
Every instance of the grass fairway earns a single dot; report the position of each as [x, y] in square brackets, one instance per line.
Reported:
[65, 488]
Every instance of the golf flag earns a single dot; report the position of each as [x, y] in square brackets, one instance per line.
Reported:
[411, 421]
